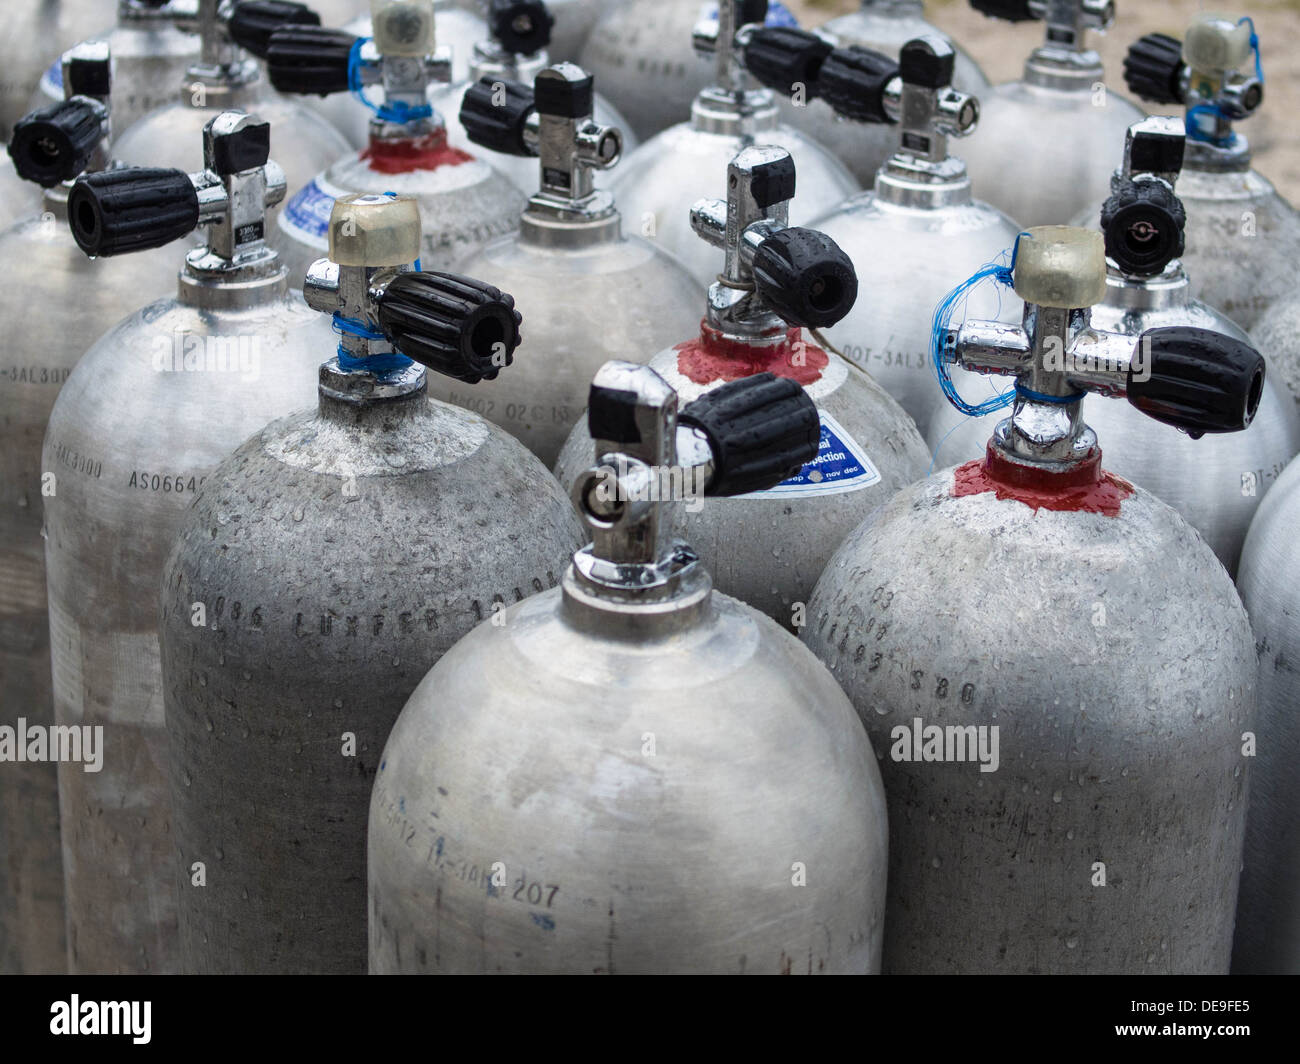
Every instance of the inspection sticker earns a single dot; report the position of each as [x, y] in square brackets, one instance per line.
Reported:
[307, 215]
[841, 466]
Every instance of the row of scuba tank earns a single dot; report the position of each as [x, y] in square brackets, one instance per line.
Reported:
[866, 664]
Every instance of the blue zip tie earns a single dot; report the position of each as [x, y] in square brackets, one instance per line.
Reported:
[380, 365]
[1216, 112]
[1055, 400]
[397, 112]
[1003, 275]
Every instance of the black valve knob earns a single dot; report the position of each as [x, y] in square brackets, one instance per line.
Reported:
[1144, 223]
[805, 277]
[918, 64]
[55, 143]
[750, 12]
[762, 430]
[1153, 68]
[1010, 10]
[131, 209]
[853, 80]
[1197, 380]
[781, 58]
[253, 22]
[456, 326]
[521, 27]
[309, 60]
[495, 113]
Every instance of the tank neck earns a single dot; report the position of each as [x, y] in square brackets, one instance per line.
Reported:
[1064, 69]
[727, 114]
[635, 603]
[545, 225]
[490, 60]
[1231, 158]
[1169, 291]
[893, 8]
[353, 397]
[229, 87]
[213, 283]
[905, 181]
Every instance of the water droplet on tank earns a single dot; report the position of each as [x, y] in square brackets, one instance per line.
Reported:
[1072, 942]
[935, 862]
[1056, 797]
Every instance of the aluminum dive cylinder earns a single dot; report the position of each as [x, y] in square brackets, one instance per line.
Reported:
[1058, 130]
[920, 231]
[639, 50]
[591, 291]
[175, 388]
[1217, 484]
[151, 53]
[464, 202]
[658, 184]
[634, 773]
[225, 78]
[1278, 333]
[1053, 667]
[1267, 940]
[516, 51]
[1243, 238]
[768, 548]
[48, 271]
[316, 631]
[29, 34]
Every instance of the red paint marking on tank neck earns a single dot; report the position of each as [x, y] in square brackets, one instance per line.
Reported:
[1085, 489]
[714, 357]
[409, 154]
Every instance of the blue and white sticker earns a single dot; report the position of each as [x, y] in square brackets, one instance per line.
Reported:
[306, 217]
[841, 466]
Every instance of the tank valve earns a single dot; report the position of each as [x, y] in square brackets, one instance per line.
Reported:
[518, 27]
[723, 40]
[1143, 221]
[746, 436]
[1196, 380]
[134, 208]
[56, 143]
[389, 315]
[1215, 71]
[251, 23]
[1067, 21]
[772, 269]
[554, 123]
[226, 30]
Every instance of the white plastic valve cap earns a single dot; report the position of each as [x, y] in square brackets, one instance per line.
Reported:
[403, 27]
[1216, 44]
[1060, 266]
[374, 230]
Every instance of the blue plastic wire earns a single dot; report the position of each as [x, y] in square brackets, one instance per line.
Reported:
[379, 365]
[940, 330]
[396, 111]
[1055, 400]
[1214, 111]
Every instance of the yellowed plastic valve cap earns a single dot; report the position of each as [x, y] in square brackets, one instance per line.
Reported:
[374, 230]
[1060, 266]
[403, 27]
[1216, 44]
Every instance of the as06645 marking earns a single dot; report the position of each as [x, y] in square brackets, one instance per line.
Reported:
[167, 483]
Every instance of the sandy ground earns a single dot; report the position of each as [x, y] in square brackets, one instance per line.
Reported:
[1001, 48]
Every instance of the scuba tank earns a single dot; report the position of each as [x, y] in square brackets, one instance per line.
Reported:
[29, 33]
[47, 271]
[638, 51]
[1216, 484]
[145, 417]
[459, 31]
[633, 773]
[151, 52]
[657, 185]
[879, 26]
[768, 548]
[591, 291]
[317, 630]
[224, 78]
[1278, 333]
[1057, 128]
[920, 215]
[463, 201]
[515, 51]
[1243, 236]
[1268, 913]
[1075, 637]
